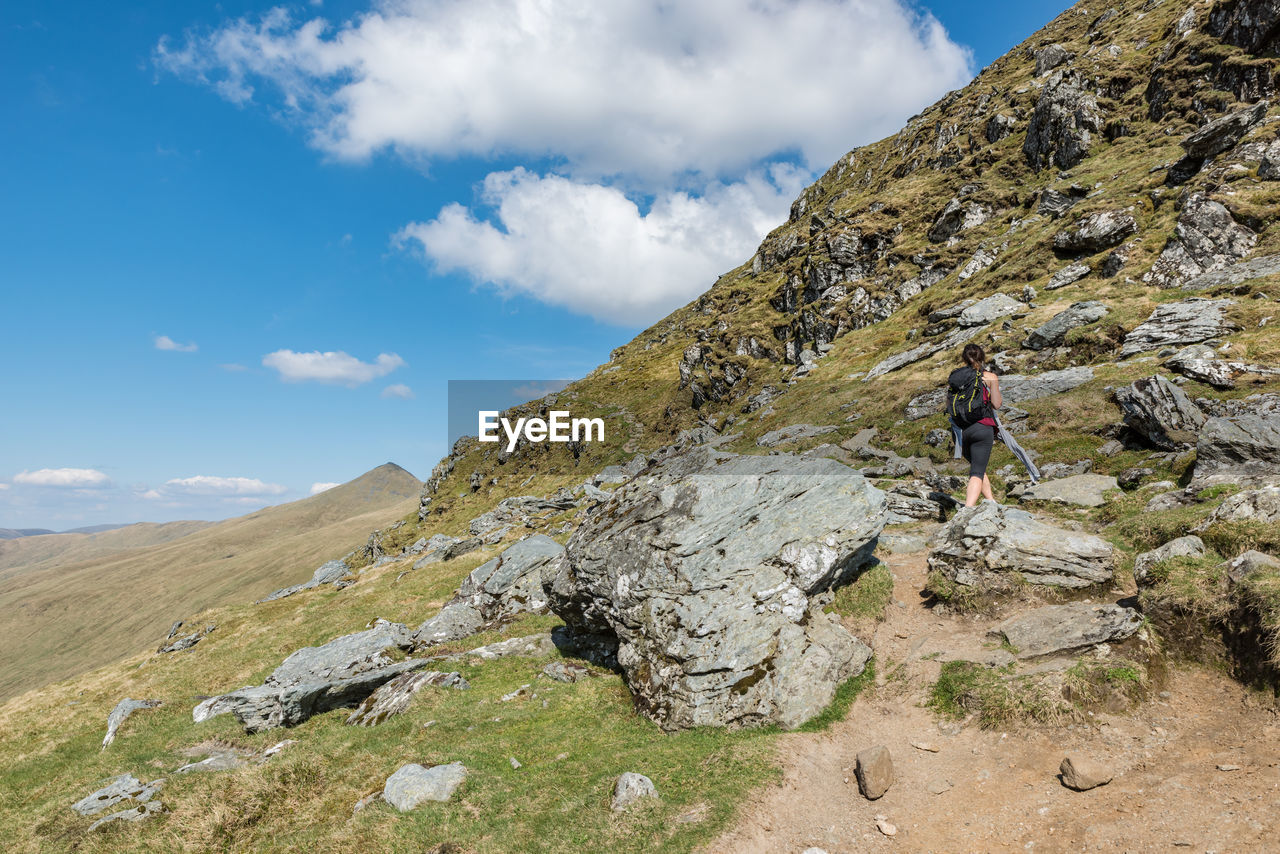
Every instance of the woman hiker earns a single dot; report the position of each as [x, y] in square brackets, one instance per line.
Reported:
[973, 396]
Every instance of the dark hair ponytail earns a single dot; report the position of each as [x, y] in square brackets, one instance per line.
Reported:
[974, 356]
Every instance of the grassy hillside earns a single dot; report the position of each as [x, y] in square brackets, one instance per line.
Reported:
[61, 618]
[49, 550]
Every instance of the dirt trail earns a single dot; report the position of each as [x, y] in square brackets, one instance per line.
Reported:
[998, 791]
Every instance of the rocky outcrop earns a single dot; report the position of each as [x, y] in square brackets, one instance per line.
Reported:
[1188, 546]
[395, 696]
[1067, 275]
[1016, 388]
[1201, 363]
[328, 573]
[1235, 274]
[177, 643]
[341, 673]
[1239, 449]
[1176, 324]
[991, 548]
[956, 217]
[1054, 204]
[1206, 238]
[1056, 629]
[1050, 57]
[709, 571]
[1063, 123]
[924, 351]
[1096, 232]
[1223, 132]
[1252, 505]
[499, 589]
[126, 787]
[442, 547]
[990, 309]
[1251, 24]
[517, 510]
[1053, 333]
[793, 433]
[121, 713]
[1160, 412]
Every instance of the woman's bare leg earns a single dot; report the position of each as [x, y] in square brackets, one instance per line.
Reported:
[986, 489]
[974, 490]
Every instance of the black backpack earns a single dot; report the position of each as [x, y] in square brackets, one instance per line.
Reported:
[967, 397]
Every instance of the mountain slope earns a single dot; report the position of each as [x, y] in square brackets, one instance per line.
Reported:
[1135, 136]
[53, 549]
[61, 618]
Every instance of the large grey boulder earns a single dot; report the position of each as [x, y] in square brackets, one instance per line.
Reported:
[1188, 546]
[1016, 388]
[121, 712]
[1063, 628]
[1176, 324]
[1161, 412]
[1252, 505]
[709, 569]
[1223, 132]
[312, 680]
[499, 589]
[955, 217]
[1062, 126]
[412, 785]
[1250, 564]
[991, 309]
[126, 787]
[993, 548]
[1054, 204]
[1096, 232]
[1081, 490]
[1206, 238]
[517, 510]
[917, 500]
[1053, 333]
[1239, 449]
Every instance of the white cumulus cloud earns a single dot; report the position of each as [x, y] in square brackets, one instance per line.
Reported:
[209, 485]
[589, 248]
[317, 488]
[330, 367]
[164, 342]
[641, 87]
[63, 478]
[399, 390]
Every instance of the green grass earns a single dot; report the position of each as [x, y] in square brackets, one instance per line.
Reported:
[838, 708]
[867, 597]
[993, 695]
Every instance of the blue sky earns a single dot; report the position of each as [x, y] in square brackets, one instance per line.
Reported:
[205, 205]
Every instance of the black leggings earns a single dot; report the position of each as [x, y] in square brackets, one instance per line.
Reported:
[976, 443]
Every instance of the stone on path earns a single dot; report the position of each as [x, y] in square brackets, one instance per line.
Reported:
[1082, 490]
[121, 712]
[1082, 774]
[629, 788]
[990, 547]
[1060, 628]
[875, 771]
[413, 784]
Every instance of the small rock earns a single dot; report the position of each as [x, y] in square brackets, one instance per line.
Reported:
[874, 771]
[223, 760]
[121, 712]
[630, 788]
[938, 785]
[565, 671]
[886, 827]
[123, 788]
[371, 798]
[926, 746]
[412, 784]
[515, 763]
[1083, 774]
[1228, 767]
